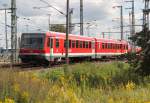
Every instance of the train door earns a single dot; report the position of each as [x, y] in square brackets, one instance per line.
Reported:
[51, 40]
[93, 50]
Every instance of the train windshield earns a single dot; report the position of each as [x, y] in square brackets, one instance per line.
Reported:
[33, 41]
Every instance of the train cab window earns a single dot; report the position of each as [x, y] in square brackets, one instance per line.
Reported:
[73, 44]
[80, 44]
[57, 43]
[77, 44]
[50, 42]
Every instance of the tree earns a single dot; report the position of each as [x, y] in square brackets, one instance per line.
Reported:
[142, 39]
[58, 28]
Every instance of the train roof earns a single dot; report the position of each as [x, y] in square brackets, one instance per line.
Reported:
[85, 37]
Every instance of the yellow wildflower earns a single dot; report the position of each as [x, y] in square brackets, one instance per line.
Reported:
[111, 100]
[8, 100]
[130, 86]
[16, 87]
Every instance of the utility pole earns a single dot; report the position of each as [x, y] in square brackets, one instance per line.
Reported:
[146, 15]
[70, 20]
[6, 38]
[130, 26]
[81, 17]
[67, 32]
[121, 21]
[49, 22]
[133, 19]
[13, 31]
[6, 30]
[103, 34]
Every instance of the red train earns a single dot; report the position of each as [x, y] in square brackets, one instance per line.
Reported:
[50, 47]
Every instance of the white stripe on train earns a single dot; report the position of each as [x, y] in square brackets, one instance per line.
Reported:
[73, 54]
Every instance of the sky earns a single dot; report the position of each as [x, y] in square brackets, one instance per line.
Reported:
[99, 13]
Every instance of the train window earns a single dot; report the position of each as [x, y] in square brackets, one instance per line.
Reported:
[99, 45]
[109, 46]
[73, 44]
[80, 44]
[57, 43]
[64, 43]
[83, 44]
[86, 44]
[103, 45]
[77, 43]
[113, 46]
[120, 46]
[89, 44]
[70, 43]
[126, 47]
[116, 46]
[50, 42]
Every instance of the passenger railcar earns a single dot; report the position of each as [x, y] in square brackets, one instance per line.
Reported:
[50, 47]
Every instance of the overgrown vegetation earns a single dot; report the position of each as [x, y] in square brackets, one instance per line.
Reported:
[58, 28]
[142, 39]
[81, 83]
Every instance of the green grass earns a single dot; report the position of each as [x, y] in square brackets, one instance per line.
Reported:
[113, 82]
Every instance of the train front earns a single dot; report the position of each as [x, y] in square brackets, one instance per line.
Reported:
[32, 47]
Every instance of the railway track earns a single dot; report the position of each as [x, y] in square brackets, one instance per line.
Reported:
[27, 66]
[31, 66]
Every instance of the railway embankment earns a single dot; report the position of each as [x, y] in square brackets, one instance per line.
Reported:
[110, 82]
